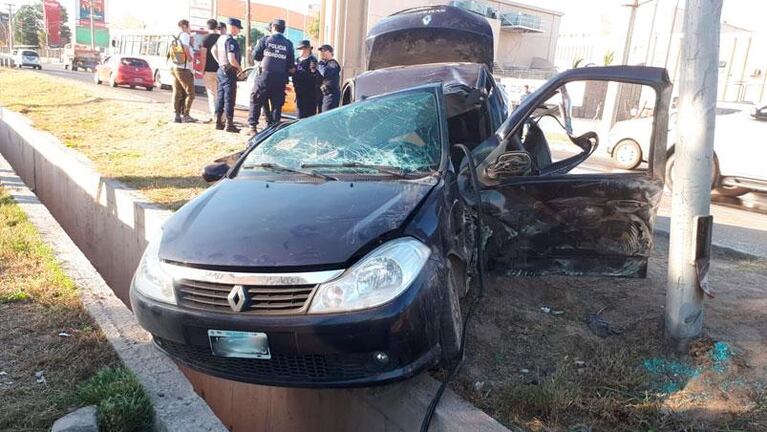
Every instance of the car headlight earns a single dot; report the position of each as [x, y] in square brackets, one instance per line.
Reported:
[151, 279]
[376, 279]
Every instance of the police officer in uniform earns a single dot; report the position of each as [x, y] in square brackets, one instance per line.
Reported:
[276, 55]
[227, 54]
[305, 81]
[330, 71]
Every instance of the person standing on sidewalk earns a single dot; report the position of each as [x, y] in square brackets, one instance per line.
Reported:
[277, 57]
[228, 56]
[210, 66]
[305, 81]
[180, 54]
[331, 78]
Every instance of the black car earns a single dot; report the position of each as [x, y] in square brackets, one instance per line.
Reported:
[335, 250]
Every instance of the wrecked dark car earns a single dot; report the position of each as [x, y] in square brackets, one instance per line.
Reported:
[336, 249]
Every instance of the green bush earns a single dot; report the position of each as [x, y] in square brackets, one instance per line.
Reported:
[123, 405]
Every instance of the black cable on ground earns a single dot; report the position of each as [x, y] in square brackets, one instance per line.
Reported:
[481, 261]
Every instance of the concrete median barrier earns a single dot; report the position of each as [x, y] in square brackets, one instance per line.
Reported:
[111, 225]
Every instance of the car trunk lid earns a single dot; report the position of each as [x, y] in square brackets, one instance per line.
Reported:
[432, 34]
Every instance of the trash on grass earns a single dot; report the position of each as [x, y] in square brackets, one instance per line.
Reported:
[40, 377]
[600, 326]
[65, 335]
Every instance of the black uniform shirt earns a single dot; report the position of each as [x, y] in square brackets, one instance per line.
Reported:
[305, 79]
[331, 74]
[276, 54]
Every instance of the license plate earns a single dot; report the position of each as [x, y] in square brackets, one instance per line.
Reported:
[138, 80]
[227, 343]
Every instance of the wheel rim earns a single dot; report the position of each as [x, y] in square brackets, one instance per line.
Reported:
[626, 154]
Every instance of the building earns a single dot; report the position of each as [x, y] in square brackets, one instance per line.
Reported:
[525, 36]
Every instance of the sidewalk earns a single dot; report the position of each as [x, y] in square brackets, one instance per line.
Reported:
[533, 358]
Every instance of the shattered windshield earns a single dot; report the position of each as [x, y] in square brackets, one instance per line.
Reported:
[401, 132]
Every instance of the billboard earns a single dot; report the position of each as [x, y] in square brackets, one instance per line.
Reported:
[84, 15]
[200, 11]
[83, 36]
[52, 14]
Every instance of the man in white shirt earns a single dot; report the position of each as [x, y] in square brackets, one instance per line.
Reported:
[182, 70]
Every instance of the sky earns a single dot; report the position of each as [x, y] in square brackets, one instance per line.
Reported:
[743, 13]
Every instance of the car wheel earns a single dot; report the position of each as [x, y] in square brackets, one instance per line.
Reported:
[627, 154]
[74, 68]
[671, 159]
[112, 81]
[451, 323]
[96, 79]
[133, 87]
[149, 88]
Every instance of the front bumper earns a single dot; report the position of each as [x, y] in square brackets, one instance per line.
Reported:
[333, 350]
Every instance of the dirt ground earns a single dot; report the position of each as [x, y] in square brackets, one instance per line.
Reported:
[48, 343]
[533, 362]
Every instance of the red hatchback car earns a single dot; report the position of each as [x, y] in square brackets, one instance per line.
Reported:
[130, 71]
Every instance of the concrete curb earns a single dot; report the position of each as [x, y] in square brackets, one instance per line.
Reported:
[111, 225]
[177, 406]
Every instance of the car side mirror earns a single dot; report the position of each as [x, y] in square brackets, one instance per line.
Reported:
[215, 172]
[510, 164]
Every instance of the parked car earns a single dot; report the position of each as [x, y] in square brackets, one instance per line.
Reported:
[122, 70]
[334, 251]
[737, 169]
[245, 83]
[759, 113]
[28, 58]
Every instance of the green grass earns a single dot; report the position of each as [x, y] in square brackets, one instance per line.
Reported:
[123, 405]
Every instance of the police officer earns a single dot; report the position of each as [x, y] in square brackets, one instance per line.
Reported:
[228, 56]
[305, 81]
[277, 57]
[330, 71]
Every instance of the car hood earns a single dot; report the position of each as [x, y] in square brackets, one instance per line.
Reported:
[430, 34]
[255, 224]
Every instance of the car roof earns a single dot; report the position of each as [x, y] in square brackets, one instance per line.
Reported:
[396, 78]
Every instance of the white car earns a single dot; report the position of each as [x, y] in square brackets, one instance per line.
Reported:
[29, 58]
[738, 150]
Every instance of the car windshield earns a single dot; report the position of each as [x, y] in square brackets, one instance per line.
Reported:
[400, 132]
[134, 62]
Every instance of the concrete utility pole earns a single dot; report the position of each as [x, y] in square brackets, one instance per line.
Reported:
[93, 31]
[11, 28]
[248, 42]
[691, 202]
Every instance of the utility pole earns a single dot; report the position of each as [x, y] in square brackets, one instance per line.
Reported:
[689, 248]
[671, 35]
[11, 28]
[93, 32]
[248, 42]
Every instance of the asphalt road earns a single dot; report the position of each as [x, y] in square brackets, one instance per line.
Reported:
[200, 103]
[740, 223]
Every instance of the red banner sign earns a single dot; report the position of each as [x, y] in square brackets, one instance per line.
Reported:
[53, 22]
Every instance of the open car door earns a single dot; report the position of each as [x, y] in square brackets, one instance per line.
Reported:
[552, 207]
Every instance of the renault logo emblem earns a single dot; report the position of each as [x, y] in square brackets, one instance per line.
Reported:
[426, 20]
[237, 298]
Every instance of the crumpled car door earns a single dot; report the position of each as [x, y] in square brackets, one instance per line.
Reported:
[559, 220]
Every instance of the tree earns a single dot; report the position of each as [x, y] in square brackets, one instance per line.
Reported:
[313, 28]
[28, 23]
[64, 32]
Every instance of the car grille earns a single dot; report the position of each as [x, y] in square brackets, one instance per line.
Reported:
[264, 300]
[281, 368]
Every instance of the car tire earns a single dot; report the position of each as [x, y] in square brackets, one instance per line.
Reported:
[149, 88]
[627, 154]
[74, 68]
[132, 87]
[112, 81]
[671, 158]
[96, 79]
[451, 323]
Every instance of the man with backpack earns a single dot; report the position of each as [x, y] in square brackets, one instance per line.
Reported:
[227, 54]
[182, 59]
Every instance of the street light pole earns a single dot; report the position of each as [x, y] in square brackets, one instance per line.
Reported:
[691, 198]
[248, 40]
[93, 32]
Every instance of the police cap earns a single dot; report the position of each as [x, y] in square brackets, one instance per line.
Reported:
[304, 44]
[326, 47]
